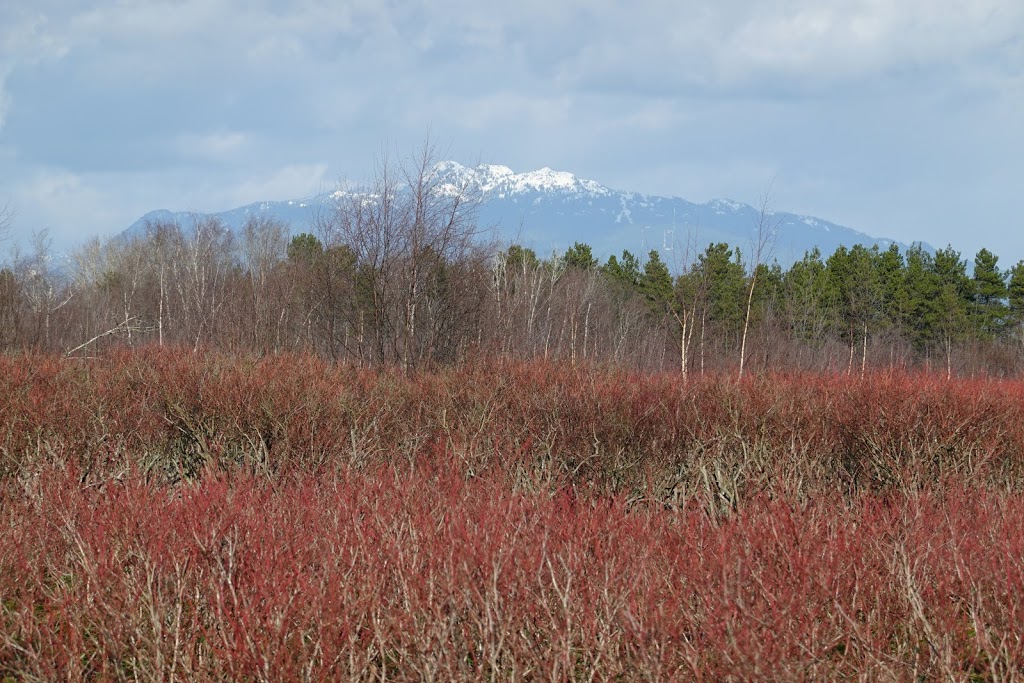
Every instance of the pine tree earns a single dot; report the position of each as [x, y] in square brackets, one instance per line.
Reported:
[580, 256]
[521, 259]
[990, 292]
[656, 282]
[804, 287]
[1015, 293]
[951, 322]
[722, 269]
[855, 295]
[626, 271]
[305, 248]
[892, 286]
[922, 291]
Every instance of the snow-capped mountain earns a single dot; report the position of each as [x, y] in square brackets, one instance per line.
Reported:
[550, 210]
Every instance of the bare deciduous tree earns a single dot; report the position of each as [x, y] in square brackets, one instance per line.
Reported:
[8, 287]
[409, 235]
[202, 261]
[765, 230]
[690, 294]
[6, 221]
[264, 246]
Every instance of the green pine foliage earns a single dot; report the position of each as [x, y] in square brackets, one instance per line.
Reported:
[1015, 297]
[990, 309]
[656, 282]
[580, 257]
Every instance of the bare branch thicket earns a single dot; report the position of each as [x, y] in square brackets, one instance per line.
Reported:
[201, 264]
[6, 221]
[264, 249]
[9, 293]
[412, 241]
[690, 294]
[38, 287]
[162, 238]
[766, 230]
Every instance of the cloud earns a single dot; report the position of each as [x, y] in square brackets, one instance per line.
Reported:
[289, 182]
[802, 45]
[708, 43]
[203, 104]
[4, 98]
[74, 206]
[22, 41]
[216, 147]
[67, 205]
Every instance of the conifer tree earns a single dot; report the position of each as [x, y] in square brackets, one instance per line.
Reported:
[892, 286]
[723, 270]
[856, 295]
[580, 256]
[521, 259]
[804, 287]
[656, 282]
[990, 292]
[1015, 294]
[625, 271]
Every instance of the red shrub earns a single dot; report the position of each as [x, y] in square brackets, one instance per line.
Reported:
[432, 575]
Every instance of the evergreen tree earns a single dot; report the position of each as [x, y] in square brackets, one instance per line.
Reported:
[768, 294]
[656, 282]
[892, 286]
[951, 321]
[305, 248]
[922, 291]
[951, 270]
[990, 292]
[804, 287]
[521, 259]
[938, 295]
[580, 256]
[956, 293]
[722, 269]
[856, 296]
[626, 271]
[1015, 294]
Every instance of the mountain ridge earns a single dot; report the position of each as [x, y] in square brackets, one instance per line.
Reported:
[549, 210]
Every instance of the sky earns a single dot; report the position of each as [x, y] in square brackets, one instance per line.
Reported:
[900, 118]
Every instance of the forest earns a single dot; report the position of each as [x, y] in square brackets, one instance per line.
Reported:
[412, 279]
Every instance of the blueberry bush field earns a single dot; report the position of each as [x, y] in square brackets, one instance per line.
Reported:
[168, 514]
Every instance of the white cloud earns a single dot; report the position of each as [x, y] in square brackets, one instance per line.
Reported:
[710, 42]
[289, 182]
[500, 109]
[223, 102]
[74, 206]
[216, 147]
[69, 206]
[865, 37]
[802, 44]
[4, 98]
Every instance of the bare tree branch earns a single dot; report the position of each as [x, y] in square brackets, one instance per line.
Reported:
[766, 229]
[6, 221]
[123, 326]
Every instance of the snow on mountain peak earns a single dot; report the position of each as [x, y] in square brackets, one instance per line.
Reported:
[495, 170]
[502, 180]
[730, 204]
[546, 179]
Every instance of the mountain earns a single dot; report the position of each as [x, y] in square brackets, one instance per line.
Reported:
[550, 210]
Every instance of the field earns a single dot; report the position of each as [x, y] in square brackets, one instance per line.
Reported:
[170, 515]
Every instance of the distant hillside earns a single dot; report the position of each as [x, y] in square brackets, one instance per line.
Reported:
[550, 210]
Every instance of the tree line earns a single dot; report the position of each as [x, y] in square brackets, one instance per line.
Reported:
[404, 275]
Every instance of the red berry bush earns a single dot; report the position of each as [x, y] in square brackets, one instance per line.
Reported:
[166, 515]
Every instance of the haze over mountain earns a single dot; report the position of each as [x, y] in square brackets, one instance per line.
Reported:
[549, 210]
